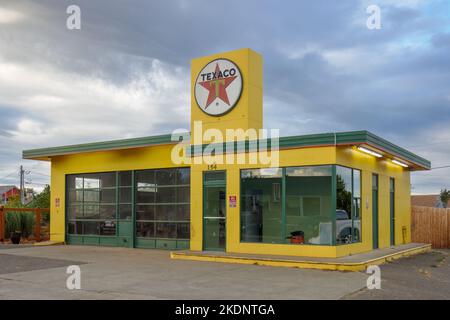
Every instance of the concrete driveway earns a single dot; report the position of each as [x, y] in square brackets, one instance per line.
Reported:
[119, 273]
[425, 276]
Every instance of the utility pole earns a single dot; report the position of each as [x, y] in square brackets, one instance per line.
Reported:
[22, 185]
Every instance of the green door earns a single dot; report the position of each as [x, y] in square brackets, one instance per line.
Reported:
[214, 211]
[375, 211]
[392, 211]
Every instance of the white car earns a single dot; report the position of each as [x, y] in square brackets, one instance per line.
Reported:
[344, 228]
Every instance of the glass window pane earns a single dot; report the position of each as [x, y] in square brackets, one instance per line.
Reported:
[166, 230]
[125, 178]
[356, 184]
[344, 192]
[79, 182]
[145, 212]
[108, 180]
[166, 194]
[375, 182]
[75, 212]
[145, 229]
[107, 212]
[107, 228]
[260, 210]
[75, 227]
[184, 176]
[343, 205]
[183, 194]
[183, 212]
[91, 227]
[215, 205]
[146, 176]
[108, 196]
[356, 206]
[71, 181]
[215, 176]
[308, 205]
[91, 181]
[145, 192]
[91, 211]
[183, 231]
[166, 177]
[125, 211]
[75, 196]
[268, 173]
[166, 212]
[125, 195]
[91, 196]
[88, 201]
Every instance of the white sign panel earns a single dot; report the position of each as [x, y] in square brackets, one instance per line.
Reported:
[218, 87]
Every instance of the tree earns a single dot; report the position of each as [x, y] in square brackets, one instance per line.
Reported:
[14, 202]
[444, 197]
[41, 200]
[343, 196]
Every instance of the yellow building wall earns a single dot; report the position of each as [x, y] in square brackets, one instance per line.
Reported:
[291, 157]
[385, 170]
[115, 160]
[304, 157]
[160, 157]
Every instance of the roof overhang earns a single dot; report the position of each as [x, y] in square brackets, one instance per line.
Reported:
[46, 154]
[353, 138]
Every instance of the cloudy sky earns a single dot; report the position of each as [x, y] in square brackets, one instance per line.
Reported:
[126, 72]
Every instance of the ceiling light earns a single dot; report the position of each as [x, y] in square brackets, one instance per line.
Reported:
[404, 165]
[368, 151]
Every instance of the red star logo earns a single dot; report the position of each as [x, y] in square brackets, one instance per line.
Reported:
[217, 87]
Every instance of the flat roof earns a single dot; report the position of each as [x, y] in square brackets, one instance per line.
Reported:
[302, 141]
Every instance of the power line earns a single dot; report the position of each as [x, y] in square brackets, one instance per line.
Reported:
[41, 174]
[36, 183]
[442, 167]
[14, 172]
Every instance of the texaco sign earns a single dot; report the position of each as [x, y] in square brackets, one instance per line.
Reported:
[218, 87]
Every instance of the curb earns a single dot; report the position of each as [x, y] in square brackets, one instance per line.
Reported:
[302, 264]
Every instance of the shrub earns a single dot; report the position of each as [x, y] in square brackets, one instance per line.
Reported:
[19, 221]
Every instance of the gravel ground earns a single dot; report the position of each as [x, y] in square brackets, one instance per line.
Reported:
[425, 277]
[10, 263]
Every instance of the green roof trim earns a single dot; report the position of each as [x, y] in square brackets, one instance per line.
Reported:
[99, 146]
[310, 140]
[324, 139]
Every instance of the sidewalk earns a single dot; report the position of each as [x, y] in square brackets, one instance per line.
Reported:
[357, 262]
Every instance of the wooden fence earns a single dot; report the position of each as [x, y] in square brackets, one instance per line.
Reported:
[37, 225]
[431, 225]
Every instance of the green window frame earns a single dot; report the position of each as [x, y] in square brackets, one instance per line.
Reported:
[316, 210]
[86, 204]
[392, 210]
[162, 205]
[348, 201]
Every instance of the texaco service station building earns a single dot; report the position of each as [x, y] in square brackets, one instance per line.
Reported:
[329, 195]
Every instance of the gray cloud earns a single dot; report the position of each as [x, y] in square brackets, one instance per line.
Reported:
[126, 72]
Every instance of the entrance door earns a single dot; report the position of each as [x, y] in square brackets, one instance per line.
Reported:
[214, 211]
[392, 205]
[375, 211]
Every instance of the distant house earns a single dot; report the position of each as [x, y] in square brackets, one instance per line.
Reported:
[7, 192]
[428, 200]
